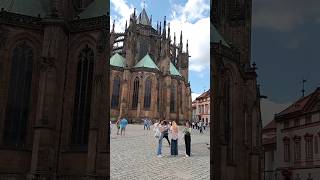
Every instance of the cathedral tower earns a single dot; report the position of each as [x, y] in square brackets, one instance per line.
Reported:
[233, 20]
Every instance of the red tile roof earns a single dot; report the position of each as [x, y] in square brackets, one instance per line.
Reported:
[300, 104]
[204, 95]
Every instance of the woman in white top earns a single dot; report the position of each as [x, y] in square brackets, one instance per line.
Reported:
[174, 138]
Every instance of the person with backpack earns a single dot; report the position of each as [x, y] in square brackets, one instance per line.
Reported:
[187, 138]
[174, 138]
[159, 128]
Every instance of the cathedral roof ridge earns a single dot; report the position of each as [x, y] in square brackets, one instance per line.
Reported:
[173, 70]
[146, 62]
[34, 8]
[97, 8]
[118, 60]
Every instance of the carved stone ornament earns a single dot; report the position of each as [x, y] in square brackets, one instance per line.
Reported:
[46, 63]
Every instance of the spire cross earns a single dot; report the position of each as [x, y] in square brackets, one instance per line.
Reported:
[144, 4]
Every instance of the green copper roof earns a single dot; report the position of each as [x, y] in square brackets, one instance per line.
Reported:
[117, 60]
[173, 70]
[215, 36]
[146, 62]
[26, 7]
[143, 18]
[96, 9]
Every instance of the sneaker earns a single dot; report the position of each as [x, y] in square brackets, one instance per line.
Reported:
[187, 156]
[159, 156]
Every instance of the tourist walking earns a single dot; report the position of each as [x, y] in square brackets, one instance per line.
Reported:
[145, 124]
[123, 125]
[174, 138]
[204, 126]
[149, 122]
[118, 125]
[159, 128]
[200, 126]
[166, 131]
[187, 138]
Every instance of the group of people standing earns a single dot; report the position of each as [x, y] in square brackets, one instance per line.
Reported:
[146, 123]
[162, 130]
[121, 125]
[200, 125]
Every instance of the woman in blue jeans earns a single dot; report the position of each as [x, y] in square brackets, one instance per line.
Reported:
[160, 129]
[174, 139]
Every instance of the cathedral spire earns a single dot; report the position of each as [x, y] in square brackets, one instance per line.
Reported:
[181, 45]
[164, 27]
[160, 29]
[114, 21]
[157, 26]
[169, 37]
[151, 20]
[126, 27]
[174, 38]
[187, 47]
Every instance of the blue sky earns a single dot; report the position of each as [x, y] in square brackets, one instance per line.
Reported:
[190, 16]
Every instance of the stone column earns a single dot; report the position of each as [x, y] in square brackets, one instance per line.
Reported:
[44, 142]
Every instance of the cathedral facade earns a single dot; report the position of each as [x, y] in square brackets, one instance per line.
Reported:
[53, 84]
[148, 72]
[236, 109]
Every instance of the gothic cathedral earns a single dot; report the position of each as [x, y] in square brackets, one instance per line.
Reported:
[53, 84]
[149, 72]
[237, 119]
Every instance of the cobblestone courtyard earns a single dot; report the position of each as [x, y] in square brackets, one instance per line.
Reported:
[133, 156]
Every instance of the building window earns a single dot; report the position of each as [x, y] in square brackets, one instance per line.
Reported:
[115, 92]
[297, 148]
[286, 144]
[308, 119]
[297, 122]
[135, 95]
[309, 147]
[17, 111]
[82, 103]
[147, 93]
[173, 99]
[286, 124]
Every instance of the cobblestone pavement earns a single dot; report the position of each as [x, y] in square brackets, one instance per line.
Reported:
[133, 156]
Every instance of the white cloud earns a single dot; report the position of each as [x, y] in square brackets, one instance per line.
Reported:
[194, 95]
[122, 11]
[193, 19]
[269, 109]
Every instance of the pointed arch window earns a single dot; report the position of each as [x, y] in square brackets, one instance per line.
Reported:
[135, 95]
[147, 93]
[82, 103]
[116, 92]
[17, 110]
[172, 98]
